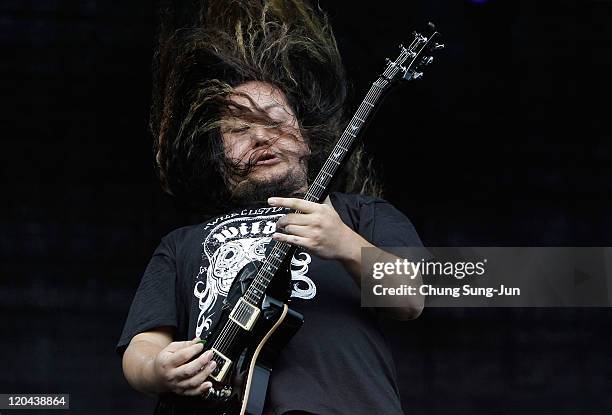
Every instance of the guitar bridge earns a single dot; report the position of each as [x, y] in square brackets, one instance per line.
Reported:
[244, 314]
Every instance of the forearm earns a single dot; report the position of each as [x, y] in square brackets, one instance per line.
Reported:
[351, 256]
[138, 367]
[400, 307]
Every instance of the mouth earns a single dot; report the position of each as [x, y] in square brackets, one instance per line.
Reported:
[267, 159]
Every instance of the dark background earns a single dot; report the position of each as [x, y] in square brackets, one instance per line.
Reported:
[504, 142]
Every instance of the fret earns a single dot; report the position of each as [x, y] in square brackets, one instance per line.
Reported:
[310, 196]
[320, 185]
[334, 161]
[265, 276]
[265, 272]
[351, 134]
[328, 168]
[369, 103]
[326, 173]
[357, 118]
[275, 260]
[344, 149]
[257, 281]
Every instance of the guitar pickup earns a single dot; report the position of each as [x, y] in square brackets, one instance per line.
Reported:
[244, 314]
[223, 364]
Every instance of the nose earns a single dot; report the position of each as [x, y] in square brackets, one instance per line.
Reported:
[260, 135]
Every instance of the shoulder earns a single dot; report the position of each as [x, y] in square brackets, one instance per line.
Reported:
[177, 238]
[360, 210]
[359, 202]
[376, 219]
[182, 233]
[353, 199]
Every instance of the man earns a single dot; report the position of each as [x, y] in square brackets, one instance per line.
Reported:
[265, 132]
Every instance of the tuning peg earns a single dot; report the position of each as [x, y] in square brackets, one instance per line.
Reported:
[417, 75]
[431, 26]
[388, 61]
[428, 60]
[401, 46]
[438, 46]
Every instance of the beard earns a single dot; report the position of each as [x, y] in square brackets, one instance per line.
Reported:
[253, 192]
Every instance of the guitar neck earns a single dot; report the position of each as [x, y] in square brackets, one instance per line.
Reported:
[319, 188]
[406, 67]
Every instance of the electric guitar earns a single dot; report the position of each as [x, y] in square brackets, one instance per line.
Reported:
[256, 322]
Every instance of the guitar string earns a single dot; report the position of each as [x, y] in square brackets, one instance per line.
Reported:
[230, 330]
[226, 336]
[228, 333]
[363, 113]
[329, 165]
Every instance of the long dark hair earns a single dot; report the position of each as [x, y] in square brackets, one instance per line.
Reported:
[205, 50]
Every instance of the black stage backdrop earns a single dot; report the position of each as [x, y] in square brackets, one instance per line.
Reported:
[505, 142]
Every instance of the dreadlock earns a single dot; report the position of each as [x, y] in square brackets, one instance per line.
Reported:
[205, 50]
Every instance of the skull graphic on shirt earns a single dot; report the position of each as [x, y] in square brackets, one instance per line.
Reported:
[227, 248]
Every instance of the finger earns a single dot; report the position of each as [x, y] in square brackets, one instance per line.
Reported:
[293, 219]
[291, 202]
[201, 390]
[200, 377]
[194, 367]
[292, 239]
[298, 230]
[185, 354]
[174, 346]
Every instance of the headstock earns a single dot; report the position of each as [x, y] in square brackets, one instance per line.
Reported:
[412, 60]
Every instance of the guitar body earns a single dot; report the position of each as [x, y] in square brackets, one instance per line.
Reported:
[243, 387]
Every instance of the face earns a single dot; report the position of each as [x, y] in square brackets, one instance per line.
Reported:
[270, 142]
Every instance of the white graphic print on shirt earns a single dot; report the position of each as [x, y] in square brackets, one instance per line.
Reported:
[231, 242]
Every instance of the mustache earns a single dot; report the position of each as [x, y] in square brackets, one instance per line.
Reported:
[235, 169]
[268, 152]
[264, 154]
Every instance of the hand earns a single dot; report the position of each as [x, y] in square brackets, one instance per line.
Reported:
[171, 369]
[318, 229]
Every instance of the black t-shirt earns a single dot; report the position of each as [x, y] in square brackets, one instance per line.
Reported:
[338, 362]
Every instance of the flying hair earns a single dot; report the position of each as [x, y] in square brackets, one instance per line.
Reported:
[206, 49]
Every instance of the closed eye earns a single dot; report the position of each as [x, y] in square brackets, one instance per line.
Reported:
[238, 130]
